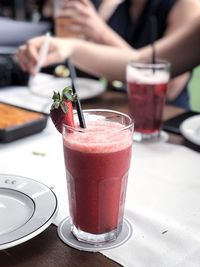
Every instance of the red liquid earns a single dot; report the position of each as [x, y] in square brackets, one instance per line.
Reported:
[97, 174]
[97, 183]
[146, 102]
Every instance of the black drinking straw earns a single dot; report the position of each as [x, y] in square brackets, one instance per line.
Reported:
[154, 33]
[77, 103]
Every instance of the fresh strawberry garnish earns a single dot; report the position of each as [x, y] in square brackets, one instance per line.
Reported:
[62, 109]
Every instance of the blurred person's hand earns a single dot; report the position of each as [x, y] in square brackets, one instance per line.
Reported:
[28, 54]
[86, 20]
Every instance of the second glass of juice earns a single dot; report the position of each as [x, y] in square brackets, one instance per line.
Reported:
[147, 86]
[97, 161]
[62, 20]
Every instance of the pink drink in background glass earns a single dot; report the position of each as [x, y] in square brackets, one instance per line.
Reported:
[97, 162]
[146, 104]
[147, 86]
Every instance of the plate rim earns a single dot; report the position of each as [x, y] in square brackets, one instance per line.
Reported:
[183, 129]
[42, 226]
[92, 94]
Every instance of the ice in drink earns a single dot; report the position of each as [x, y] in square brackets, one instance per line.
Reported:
[97, 163]
[147, 89]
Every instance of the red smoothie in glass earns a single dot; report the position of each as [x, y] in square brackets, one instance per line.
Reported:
[146, 102]
[97, 164]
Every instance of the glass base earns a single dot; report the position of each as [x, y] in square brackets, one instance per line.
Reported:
[139, 137]
[162, 136]
[65, 234]
[95, 238]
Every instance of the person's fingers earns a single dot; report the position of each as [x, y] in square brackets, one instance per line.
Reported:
[32, 53]
[19, 58]
[83, 19]
[65, 3]
[27, 55]
[33, 50]
[22, 58]
[76, 28]
[76, 8]
[86, 2]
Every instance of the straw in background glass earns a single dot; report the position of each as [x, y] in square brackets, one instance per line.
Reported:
[154, 35]
[77, 103]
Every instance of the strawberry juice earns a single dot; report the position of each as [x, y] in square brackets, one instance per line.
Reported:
[147, 87]
[97, 161]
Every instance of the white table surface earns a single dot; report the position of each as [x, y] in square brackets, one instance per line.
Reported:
[163, 196]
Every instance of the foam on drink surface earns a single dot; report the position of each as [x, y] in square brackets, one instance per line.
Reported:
[100, 136]
[147, 76]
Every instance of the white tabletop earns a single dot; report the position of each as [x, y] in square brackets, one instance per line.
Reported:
[163, 198]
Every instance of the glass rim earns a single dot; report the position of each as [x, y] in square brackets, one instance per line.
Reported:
[123, 128]
[147, 64]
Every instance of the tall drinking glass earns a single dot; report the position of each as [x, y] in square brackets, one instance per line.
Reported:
[63, 22]
[97, 161]
[147, 86]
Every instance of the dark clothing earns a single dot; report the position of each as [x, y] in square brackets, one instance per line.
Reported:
[139, 33]
[182, 100]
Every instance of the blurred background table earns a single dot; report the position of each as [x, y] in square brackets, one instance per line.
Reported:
[47, 249]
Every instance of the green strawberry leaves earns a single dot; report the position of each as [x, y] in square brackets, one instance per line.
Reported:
[60, 98]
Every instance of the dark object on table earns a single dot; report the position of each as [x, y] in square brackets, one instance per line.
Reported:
[173, 125]
[17, 122]
[11, 73]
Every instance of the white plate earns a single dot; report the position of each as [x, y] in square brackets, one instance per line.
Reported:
[190, 129]
[44, 85]
[27, 208]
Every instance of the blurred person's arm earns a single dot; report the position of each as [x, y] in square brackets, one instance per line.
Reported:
[182, 13]
[180, 48]
[96, 59]
[87, 22]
